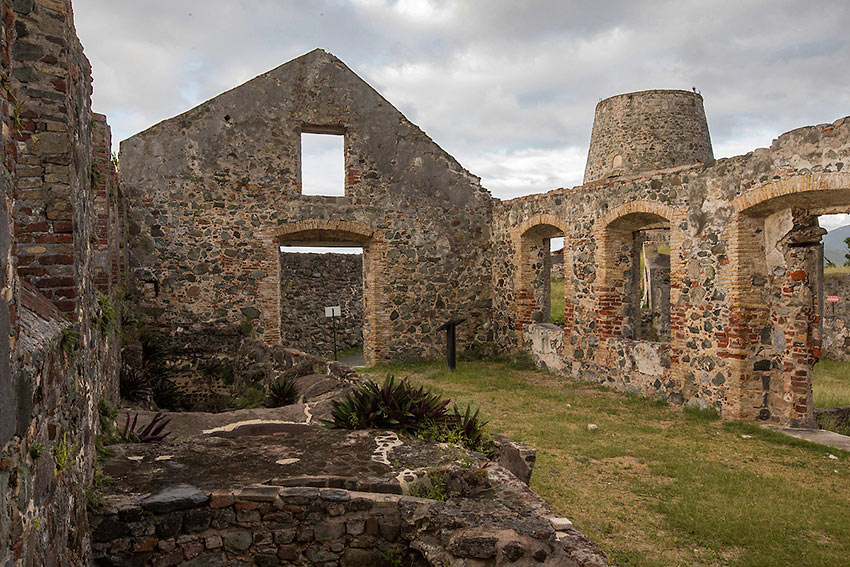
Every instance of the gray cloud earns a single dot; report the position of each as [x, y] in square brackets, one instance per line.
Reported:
[507, 87]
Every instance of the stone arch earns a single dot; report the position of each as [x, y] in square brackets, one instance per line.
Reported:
[530, 239]
[317, 232]
[617, 274]
[775, 294]
[813, 190]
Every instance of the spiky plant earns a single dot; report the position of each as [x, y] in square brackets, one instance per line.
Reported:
[152, 432]
[470, 426]
[165, 393]
[135, 385]
[392, 405]
[282, 392]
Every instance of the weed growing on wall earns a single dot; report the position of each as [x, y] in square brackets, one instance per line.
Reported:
[36, 450]
[106, 316]
[63, 453]
[434, 487]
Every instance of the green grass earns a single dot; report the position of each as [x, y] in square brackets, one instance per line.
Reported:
[836, 270]
[556, 299]
[657, 485]
[831, 384]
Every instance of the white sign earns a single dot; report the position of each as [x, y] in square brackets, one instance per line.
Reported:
[332, 311]
[832, 299]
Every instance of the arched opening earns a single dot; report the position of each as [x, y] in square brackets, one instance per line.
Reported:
[635, 297]
[786, 298]
[325, 265]
[535, 275]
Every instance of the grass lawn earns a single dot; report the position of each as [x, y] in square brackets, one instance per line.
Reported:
[556, 300]
[658, 485]
[831, 384]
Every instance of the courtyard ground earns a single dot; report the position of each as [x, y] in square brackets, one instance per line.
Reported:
[657, 485]
[831, 384]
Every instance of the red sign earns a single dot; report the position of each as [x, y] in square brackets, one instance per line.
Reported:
[832, 299]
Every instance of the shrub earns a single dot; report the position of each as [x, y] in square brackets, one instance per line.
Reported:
[253, 395]
[470, 426]
[393, 405]
[413, 410]
[165, 393]
[152, 432]
[282, 392]
[135, 385]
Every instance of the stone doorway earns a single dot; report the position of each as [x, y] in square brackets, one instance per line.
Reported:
[313, 275]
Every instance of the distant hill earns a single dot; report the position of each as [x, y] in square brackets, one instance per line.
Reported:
[833, 244]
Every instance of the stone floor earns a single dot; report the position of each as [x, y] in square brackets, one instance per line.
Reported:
[228, 488]
[821, 436]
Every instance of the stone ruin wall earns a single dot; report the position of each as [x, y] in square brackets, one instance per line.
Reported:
[60, 200]
[740, 237]
[309, 283]
[213, 192]
[836, 317]
[744, 314]
[305, 525]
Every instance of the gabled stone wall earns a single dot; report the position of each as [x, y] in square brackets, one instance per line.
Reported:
[214, 191]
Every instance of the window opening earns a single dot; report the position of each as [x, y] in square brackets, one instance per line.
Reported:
[323, 164]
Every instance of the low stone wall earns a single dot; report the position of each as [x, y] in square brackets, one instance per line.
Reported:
[545, 342]
[832, 418]
[270, 526]
[836, 318]
[210, 382]
[640, 367]
[308, 284]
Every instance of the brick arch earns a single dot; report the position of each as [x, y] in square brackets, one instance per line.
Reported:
[360, 231]
[525, 237]
[776, 383]
[376, 322]
[811, 190]
[540, 220]
[613, 234]
[637, 208]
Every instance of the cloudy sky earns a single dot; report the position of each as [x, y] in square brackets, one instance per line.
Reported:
[506, 86]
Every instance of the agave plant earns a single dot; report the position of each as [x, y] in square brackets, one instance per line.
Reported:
[135, 385]
[471, 428]
[165, 393]
[152, 432]
[282, 392]
[392, 405]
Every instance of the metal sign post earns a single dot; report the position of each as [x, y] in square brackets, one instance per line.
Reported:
[333, 312]
[449, 327]
[832, 299]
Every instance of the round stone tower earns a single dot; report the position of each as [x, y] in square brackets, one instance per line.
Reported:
[647, 130]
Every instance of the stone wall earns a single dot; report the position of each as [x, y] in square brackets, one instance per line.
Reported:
[743, 275]
[62, 353]
[269, 525]
[308, 284]
[214, 192]
[836, 317]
